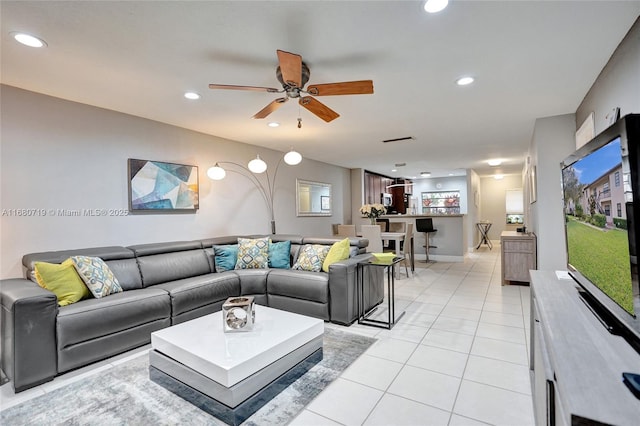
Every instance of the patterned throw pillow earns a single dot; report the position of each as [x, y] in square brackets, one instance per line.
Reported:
[280, 255]
[225, 257]
[63, 280]
[96, 275]
[311, 257]
[253, 253]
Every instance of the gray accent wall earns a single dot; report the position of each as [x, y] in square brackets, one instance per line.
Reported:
[61, 155]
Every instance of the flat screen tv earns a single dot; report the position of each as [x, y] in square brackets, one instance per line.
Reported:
[601, 181]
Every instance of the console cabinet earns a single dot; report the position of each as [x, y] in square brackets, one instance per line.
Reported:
[576, 364]
[519, 255]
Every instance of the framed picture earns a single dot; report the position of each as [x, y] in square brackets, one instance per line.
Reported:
[325, 202]
[159, 187]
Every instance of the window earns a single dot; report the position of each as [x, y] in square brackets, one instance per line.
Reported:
[619, 208]
[616, 178]
[607, 210]
[514, 201]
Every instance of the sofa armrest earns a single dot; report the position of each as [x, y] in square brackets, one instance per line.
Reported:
[343, 301]
[28, 315]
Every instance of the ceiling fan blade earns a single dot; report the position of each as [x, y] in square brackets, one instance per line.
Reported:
[252, 88]
[318, 108]
[291, 68]
[270, 108]
[362, 87]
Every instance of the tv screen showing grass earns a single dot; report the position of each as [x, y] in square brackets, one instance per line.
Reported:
[596, 222]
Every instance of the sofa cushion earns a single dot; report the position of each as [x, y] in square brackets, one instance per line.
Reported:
[127, 273]
[311, 257]
[96, 275]
[280, 255]
[192, 293]
[172, 266]
[225, 257]
[299, 284]
[62, 280]
[253, 253]
[253, 282]
[93, 318]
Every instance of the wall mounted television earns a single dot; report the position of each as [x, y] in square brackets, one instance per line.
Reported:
[601, 189]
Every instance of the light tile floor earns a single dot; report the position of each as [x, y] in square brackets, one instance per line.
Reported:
[459, 356]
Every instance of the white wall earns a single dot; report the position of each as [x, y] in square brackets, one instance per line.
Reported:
[493, 203]
[57, 154]
[474, 210]
[452, 183]
[618, 85]
[553, 140]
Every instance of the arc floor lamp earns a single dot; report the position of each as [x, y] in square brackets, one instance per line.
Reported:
[252, 171]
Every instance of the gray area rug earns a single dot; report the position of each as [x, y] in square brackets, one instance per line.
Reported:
[124, 395]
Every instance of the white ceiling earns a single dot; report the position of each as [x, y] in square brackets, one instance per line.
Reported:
[530, 60]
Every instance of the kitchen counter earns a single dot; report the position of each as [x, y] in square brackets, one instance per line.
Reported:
[449, 240]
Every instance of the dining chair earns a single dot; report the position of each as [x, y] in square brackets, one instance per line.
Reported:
[347, 230]
[406, 248]
[373, 234]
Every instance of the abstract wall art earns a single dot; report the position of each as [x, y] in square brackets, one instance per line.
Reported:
[155, 186]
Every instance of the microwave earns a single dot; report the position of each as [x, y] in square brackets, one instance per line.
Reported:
[387, 199]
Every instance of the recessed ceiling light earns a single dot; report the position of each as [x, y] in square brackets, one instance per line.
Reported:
[394, 170]
[464, 81]
[425, 174]
[498, 177]
[434, 6]
[28, 39]
[494, 163]
[273, 124]
[192, 95]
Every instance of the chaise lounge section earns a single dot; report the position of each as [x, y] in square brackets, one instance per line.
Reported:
[164, 284]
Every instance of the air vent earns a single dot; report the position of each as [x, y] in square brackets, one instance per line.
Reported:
[406, 138]
[401, 164]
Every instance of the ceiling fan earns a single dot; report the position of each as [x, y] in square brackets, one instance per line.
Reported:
[293, 74]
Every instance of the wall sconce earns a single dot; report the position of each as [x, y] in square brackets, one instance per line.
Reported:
[256, 167]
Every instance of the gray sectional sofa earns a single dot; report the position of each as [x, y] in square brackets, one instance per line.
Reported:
[164, 284]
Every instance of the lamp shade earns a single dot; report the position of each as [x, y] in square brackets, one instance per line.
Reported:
[257, 165]
[292, 158]
[216, 172]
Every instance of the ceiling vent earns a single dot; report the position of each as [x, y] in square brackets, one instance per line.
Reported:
[400, 164]
[406, 138]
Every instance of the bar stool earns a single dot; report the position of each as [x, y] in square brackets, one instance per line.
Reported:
[425, 225]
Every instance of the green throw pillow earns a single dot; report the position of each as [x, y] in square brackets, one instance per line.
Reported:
[63, 280]
[253, 253]
[225, 257]
[280, 255]
[97, 276]
[338, 251]
[311, 257]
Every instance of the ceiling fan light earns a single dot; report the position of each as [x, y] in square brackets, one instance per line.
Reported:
[292, 158]
[257, 165]
[216, 172]
[434, 6]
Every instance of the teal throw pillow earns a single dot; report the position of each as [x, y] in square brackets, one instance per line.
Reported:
[311, 257]
[225, 257]
[253, 253]
[279, 255]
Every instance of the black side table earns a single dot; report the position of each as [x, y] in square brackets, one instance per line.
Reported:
[389, 265]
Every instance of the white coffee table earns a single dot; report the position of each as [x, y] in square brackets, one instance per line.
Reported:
[231, 375]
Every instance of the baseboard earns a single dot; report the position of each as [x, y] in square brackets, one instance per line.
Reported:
[439, 258]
